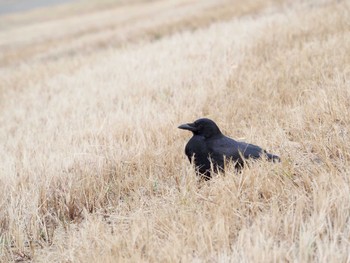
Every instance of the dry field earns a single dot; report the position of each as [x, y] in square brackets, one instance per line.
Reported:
[92, 163]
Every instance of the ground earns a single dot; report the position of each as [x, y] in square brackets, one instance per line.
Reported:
[93, 165]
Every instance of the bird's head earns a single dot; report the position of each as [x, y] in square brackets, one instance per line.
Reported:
[204, 127]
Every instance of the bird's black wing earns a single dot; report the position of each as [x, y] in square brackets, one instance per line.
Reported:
[250, 150]
[255, 152]
[225, 147]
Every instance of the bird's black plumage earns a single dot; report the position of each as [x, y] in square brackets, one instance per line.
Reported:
[209, 146]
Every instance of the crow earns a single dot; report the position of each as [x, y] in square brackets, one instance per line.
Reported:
[208, 146]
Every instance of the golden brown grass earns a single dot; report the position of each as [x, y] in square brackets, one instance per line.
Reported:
[93, 168]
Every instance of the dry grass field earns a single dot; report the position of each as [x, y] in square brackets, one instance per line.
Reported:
[92, 163]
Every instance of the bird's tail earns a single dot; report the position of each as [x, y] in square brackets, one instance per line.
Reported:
[273, 158]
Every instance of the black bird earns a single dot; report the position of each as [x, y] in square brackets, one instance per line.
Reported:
[209, 146]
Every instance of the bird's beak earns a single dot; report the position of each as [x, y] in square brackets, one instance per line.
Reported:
[188, 126]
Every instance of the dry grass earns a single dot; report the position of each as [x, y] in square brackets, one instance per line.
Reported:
[93, 168]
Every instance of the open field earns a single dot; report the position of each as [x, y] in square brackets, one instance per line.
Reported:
[93, 165]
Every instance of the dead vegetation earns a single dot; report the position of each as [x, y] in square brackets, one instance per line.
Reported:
[93, 168]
